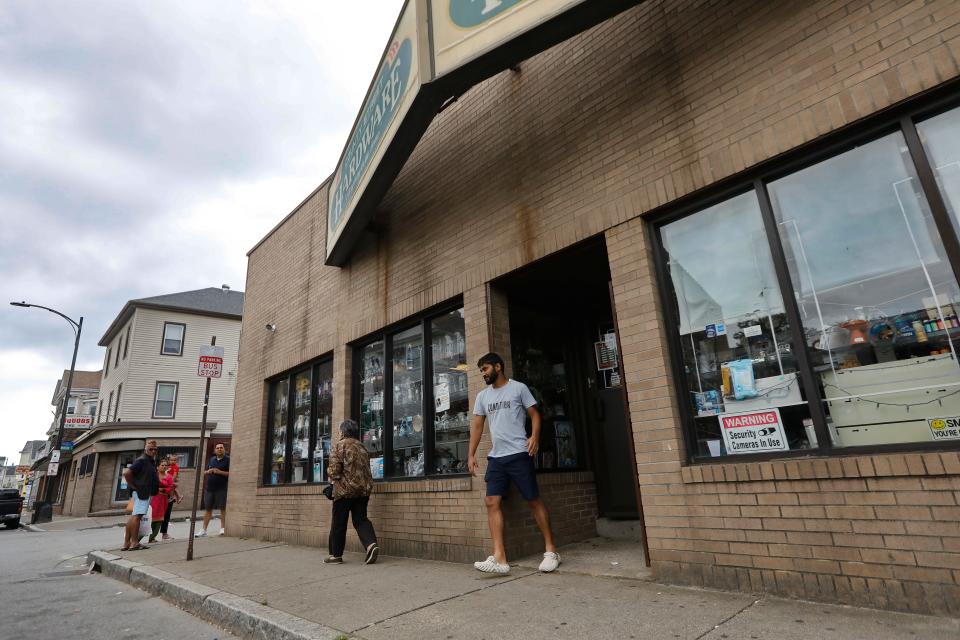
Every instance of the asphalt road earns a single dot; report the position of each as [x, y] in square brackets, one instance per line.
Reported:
[46, 592]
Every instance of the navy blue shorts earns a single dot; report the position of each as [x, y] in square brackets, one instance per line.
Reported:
[516, 468]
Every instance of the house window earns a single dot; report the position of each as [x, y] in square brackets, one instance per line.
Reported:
[117, 411]
[106, 366]
[92, 408]
[185, 457]
[426, 366]
[165, 400]
[109, 405]
[71, 406]
[173, 338]
[299, 438]
[116, 362]
[818, 309]
[126, 342]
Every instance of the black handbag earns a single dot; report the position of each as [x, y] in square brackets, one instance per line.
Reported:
[328, 491]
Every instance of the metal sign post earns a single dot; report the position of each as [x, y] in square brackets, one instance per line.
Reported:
[210, 366]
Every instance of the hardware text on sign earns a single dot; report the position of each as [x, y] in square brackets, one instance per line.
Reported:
[211, 362]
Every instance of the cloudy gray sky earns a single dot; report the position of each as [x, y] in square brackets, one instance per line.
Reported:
[146, 147]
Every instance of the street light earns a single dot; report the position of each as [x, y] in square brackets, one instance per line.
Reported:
[43, 512]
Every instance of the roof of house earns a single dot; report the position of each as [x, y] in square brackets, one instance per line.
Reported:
[33, 446]
[89, 380]
[213, 301]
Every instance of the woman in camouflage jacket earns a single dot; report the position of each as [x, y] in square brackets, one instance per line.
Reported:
[349, 473]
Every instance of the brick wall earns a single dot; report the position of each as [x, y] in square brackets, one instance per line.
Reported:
[655, 104]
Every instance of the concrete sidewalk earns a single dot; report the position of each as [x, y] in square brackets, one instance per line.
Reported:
[271, 590]
[84, 523]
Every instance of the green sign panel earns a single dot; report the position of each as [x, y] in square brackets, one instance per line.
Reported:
[472, 13]
[384, 101]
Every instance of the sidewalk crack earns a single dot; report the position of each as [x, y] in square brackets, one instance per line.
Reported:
[726, 620]
[436, 602]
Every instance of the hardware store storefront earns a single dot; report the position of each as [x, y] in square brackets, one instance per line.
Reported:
[720, 244]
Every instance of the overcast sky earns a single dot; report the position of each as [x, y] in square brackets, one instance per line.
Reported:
[146, 147]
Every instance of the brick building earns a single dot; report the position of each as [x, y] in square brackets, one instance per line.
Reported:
[718, 240]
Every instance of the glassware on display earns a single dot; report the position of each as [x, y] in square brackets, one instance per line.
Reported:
[408, 402]
[450, 394]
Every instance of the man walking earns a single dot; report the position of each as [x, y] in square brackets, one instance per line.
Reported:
[215, 494]
[144, 483]
[504, 404]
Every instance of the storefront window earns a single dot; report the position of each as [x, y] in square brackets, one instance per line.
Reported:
[418, 443]
[277, 447]
[300, 449]
[303, 435]
[371, 404]
[408, 403]
[941, 139]
[876, 292]
[451, 403]
[324, 423]
[737, 344]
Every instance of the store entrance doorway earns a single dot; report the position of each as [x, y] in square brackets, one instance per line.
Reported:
[564, 346]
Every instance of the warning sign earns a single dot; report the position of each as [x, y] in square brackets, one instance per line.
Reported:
[753, 432]
[211, 362]
[945, 428]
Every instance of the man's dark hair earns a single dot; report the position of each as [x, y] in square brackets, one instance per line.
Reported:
[492, 359]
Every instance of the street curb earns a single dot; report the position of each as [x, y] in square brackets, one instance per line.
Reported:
[235, 613]
[32, 527]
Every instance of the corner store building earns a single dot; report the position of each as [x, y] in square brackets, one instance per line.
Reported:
[572, 169]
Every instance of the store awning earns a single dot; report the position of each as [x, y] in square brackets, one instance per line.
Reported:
[438, 50]
[112, 446]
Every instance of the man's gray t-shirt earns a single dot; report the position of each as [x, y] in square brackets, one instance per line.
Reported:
[506, 412]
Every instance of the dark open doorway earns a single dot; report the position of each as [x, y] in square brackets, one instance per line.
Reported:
[563, 346]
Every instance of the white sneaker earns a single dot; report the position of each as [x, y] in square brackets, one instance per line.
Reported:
[551, 560]
[490, 565]
[223, 531]
[200, 534]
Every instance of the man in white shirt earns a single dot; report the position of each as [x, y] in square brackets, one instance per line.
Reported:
[504, 404]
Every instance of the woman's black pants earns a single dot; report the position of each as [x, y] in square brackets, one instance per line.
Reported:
[356, 508]
[166, 517]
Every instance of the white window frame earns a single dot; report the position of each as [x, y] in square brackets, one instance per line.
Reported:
[156, 398]
[181, 339]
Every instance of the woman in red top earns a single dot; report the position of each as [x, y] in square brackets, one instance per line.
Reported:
[159, 502]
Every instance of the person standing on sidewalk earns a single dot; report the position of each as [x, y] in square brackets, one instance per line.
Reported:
[505, 404]
[215, 493]
[159, 502]
[143, 482]
[349, 473]
[173, 469]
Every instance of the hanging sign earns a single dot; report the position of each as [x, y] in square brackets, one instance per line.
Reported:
[78, 421]
[944, 428]
[606, 355]
[462, 30]
[211, 362]
[390, 96]
[53, 468]
[441, 396]
[753, 432]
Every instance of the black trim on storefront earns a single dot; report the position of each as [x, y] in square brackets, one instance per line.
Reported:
[902, 117]
[312, 366]
[423, 319]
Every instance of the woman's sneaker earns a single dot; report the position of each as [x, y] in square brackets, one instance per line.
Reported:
[372, 554]
[490, 565]
[332, 560]
[551, 560]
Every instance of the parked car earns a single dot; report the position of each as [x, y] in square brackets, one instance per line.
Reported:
[11, 506]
